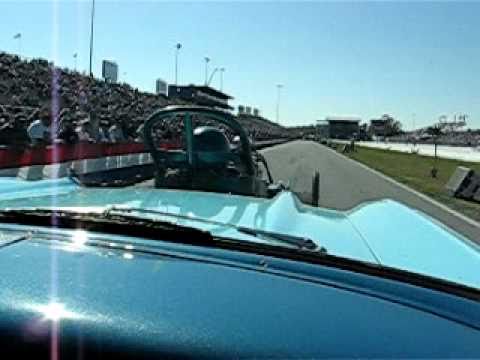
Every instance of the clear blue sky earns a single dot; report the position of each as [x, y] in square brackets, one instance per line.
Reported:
[335, 58]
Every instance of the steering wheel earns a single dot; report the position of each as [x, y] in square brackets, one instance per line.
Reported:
[184, 154]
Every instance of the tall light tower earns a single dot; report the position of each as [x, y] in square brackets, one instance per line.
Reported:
[75, 55]
[211, 76]
[279, 87]
[92, 15]
[18, 36]
[177, 50]
[222, 70]
[207, 60]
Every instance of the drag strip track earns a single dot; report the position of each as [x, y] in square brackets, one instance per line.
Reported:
[345, 183]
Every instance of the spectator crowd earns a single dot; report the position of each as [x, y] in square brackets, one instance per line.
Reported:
[42, 104]
[261, 129]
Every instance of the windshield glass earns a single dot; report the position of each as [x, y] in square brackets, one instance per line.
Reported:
[350, 126]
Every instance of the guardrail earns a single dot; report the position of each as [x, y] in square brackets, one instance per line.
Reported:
[263, 144]
[84, 158]
[53, 154]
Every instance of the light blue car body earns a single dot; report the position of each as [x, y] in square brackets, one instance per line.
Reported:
[383, 232]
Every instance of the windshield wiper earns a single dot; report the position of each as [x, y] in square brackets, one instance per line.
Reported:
[300, 242]
[114, 221]
[105, 222]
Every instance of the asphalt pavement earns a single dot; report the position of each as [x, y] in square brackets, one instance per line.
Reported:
[345, 183]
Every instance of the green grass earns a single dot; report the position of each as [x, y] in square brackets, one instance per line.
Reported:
[414, 171]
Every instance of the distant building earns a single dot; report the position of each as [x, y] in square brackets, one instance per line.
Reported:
[200, 95]
[343, 127]
[378, 127]
[384, 126]
[322, 129]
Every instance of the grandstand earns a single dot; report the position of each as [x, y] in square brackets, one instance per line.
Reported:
[262, 128]
[28, 85]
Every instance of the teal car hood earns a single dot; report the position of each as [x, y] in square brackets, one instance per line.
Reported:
[383, 232]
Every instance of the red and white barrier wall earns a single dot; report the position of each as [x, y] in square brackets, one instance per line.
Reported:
[55, 160]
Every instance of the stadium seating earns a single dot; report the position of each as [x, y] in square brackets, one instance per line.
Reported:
[26, 86]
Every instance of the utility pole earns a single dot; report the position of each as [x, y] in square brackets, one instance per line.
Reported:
[211, 76]
[18, 36]
[75, 55]
[207, 60]
[91, 36]
[177, 50]
[222, 70]
[279, 87]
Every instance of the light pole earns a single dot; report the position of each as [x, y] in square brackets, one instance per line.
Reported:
[279, 87]
[211, 76]
[177, 50]
[207, 60]
[221, 76]
[18, 36]
[91, 36]
[75, 55]
[222, 70]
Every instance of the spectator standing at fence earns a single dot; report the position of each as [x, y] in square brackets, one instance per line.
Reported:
[94, 123]
[130, 130]
[39, 129]
[140, 133]
[67, 132]
[115, 133]
[83, 131]
[103, 133]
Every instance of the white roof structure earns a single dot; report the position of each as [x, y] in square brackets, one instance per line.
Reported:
[343, 118]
